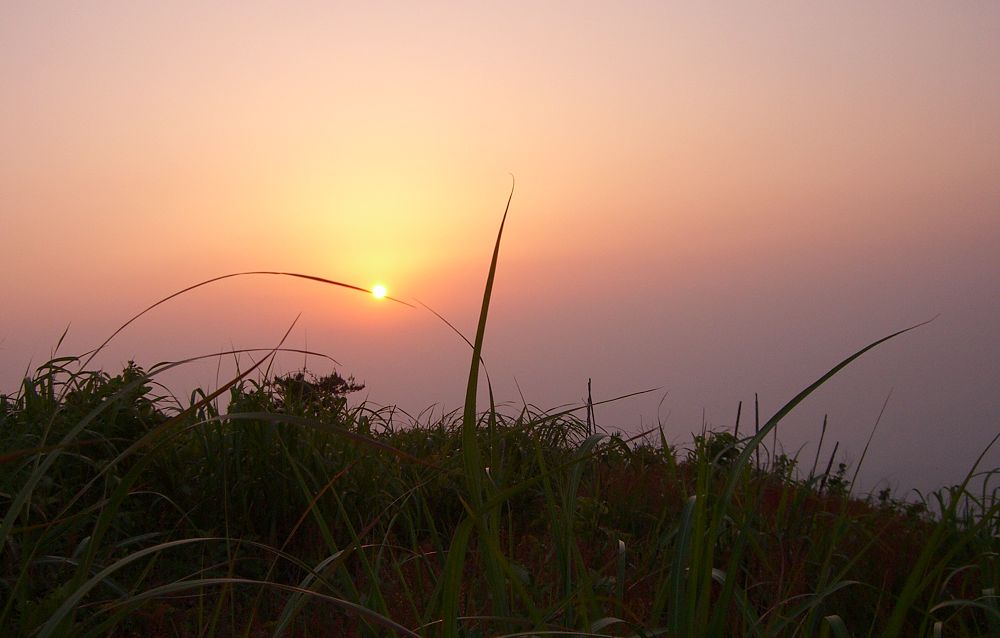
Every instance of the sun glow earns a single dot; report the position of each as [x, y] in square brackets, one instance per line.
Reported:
[378, 291]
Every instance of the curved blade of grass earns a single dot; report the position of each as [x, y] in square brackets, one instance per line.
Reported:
[362, 611]
[321, 280]
[297, 600]
[917, 579]
[80, 592]
[787, 618]
[799, 398]
[608, 621]
[989, 607]
[834, 623]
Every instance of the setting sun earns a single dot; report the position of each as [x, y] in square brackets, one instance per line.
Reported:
[378, 291]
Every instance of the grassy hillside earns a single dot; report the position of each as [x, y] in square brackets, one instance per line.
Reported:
[293, 514]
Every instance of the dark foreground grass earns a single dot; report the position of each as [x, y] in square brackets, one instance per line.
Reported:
[293, 514]
[128, 512]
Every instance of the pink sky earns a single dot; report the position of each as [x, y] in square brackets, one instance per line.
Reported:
[712, 200]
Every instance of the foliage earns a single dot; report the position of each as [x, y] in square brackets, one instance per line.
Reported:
[594, 533]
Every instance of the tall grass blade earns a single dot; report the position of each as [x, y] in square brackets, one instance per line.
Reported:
[471, 454]
[835, 624]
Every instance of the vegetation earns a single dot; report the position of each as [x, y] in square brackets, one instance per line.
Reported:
[289, 512]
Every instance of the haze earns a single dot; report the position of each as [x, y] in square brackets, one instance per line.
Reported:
[711, 200]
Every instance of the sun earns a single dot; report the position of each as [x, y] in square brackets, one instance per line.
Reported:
[378, 291]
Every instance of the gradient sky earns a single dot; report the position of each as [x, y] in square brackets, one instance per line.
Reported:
[713, 200]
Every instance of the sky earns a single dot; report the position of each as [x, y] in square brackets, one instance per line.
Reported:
[712, 200]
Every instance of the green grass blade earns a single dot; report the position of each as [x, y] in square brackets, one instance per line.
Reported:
[835, 624]
[451, 579]
[471, 454]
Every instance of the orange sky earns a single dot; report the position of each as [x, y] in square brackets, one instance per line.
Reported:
[713, 200]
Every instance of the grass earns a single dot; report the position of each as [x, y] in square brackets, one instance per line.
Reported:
[292, 513]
